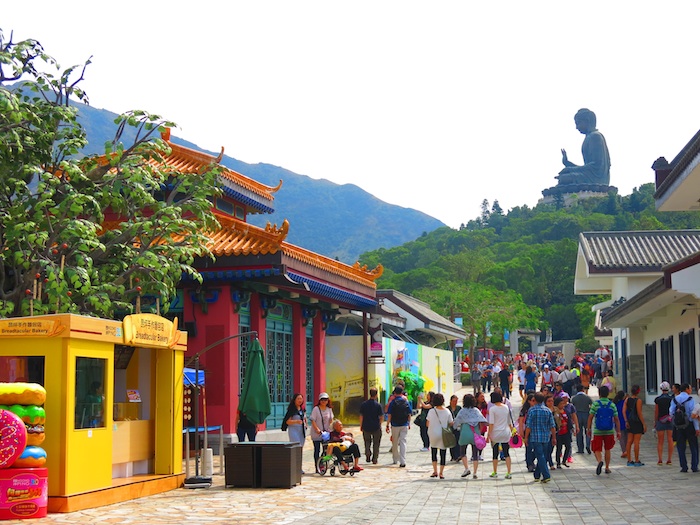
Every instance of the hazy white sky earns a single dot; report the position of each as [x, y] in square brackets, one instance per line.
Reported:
[429, 105]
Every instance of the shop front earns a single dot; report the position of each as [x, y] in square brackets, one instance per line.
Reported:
[113, 406]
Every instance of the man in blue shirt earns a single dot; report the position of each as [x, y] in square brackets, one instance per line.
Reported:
[690, 433]
[539, 427]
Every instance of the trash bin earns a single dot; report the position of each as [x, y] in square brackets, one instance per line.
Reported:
[263, 464]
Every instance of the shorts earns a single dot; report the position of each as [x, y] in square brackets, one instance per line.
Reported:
[635, 427]
[660, 426]
[522, 387]
[599, 440]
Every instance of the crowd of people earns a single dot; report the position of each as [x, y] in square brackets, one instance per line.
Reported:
[557, 419]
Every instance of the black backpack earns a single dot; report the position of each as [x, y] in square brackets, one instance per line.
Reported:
[680, 417]
[400, 412]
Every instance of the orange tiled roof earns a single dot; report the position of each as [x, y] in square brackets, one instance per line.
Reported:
[187, 160]
[240, 238]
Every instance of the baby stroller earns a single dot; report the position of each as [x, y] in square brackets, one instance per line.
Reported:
[330, 462]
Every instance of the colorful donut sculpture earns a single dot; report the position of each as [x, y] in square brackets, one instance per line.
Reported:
[13, 438]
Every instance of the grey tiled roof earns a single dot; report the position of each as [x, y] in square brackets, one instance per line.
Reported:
[637, 251]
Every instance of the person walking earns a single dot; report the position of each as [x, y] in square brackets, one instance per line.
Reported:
[636, 426]
[438, 418]
[424, 405]
[619, 401]
[371, 415]
[504, 381]
[398, 422]
[540, 428]
[685, 429]
[476, 379]
[663, 423]
[582, 402]
[454, 409]
[607, 424]
[566, 420]
[469, 421]
[294, 422]
[321, 420]
[499, 432]
[522, 417]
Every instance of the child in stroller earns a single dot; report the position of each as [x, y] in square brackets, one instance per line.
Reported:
[341, 449]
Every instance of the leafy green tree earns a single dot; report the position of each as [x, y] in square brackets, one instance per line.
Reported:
[87, 235]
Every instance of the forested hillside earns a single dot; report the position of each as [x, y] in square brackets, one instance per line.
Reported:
[516, 269]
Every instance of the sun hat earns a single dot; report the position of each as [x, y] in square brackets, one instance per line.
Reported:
[665, 386]
[323, 395]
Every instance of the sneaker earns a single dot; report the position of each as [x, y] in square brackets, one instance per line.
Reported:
[466, 473]
[493, 475]
[537, 480]
[402, 465]
[508, 476]
[630, 463]
[546, 480]
[684, 470]
[660, 463]
[566, 465]
[638, 464]
[474, 476]
[599, 468]
[424, 449]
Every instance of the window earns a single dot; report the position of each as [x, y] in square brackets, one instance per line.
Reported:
[22, 369]
[651, 367]
[89, 396]
[667, 369]
[240, 212]
[686, 342]
[224, 206]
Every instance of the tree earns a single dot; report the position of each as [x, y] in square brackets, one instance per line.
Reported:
[483, 309]
[88, 235]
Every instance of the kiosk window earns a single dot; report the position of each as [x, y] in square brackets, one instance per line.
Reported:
[89, 394]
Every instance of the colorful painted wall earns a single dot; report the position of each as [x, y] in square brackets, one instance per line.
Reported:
[345, 380]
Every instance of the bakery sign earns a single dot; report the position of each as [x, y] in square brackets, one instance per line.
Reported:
[150, 330]
[28, 327]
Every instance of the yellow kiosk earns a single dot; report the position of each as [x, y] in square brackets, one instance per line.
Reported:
[113, 404]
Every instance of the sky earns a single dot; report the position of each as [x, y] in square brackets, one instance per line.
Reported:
[434, 106]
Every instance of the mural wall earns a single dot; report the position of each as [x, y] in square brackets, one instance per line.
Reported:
[344, 371]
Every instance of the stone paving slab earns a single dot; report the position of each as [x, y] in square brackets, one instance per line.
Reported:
[386, 494]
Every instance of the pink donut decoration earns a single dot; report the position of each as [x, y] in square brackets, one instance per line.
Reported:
[13, 438]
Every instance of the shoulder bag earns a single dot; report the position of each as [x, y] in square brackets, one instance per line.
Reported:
[449, 440]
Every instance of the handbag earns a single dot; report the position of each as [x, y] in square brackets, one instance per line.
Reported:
[479, 440]
[420, 419]
[449, 440]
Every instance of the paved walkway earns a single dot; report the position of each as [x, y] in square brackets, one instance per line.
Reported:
[385, 494]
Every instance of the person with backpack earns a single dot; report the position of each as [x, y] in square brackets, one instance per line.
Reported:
[685, 429]
[607, 425]
[399, 421]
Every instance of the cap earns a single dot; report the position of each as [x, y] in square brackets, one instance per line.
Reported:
[665, 386]
[323, 395]
[546, 366]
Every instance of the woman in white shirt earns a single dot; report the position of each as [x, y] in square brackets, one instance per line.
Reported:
[499, 432]
[438, 418]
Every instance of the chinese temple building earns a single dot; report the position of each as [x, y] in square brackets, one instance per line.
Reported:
[259, 282]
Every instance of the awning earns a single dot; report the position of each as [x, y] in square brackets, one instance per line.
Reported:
[190, 375]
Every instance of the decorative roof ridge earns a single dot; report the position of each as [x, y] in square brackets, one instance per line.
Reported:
[357, 273]
[639, 233]
[201, 158]
[270, 232]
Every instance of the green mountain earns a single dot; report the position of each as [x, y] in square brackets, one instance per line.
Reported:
[339, 221]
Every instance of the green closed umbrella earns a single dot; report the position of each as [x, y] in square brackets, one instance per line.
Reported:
[255, 399]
